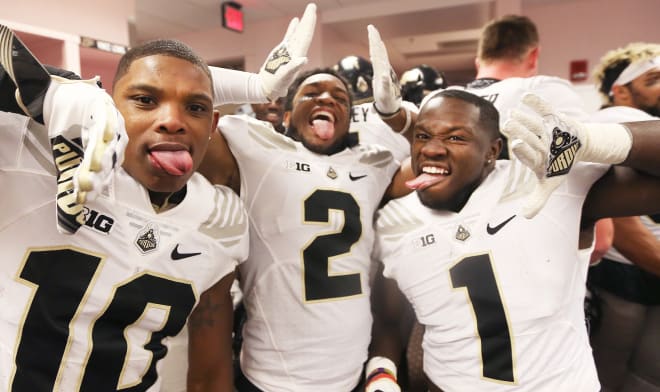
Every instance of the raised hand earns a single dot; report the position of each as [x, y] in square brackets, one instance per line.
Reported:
[385, 84]
[86, 132]
[550, 143]
[287, 58]
[79, 109]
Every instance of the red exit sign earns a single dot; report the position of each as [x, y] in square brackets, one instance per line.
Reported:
[232, 16]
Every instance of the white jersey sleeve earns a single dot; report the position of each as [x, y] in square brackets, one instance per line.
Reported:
[306, 281]
[501, 296]
[98, 308]
[233, 86]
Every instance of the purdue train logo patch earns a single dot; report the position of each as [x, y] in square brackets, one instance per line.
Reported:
[147, 239]
[563, 148]
[279, 58]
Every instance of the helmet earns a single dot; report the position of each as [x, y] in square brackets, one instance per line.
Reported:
[358, 72]
[417, 82]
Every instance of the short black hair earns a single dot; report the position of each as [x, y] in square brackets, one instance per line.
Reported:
[293, 89]
[165, 47]
[489, 117]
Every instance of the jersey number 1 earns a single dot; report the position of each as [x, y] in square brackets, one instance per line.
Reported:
[476, 274]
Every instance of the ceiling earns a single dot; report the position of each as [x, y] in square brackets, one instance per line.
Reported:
[441, 33]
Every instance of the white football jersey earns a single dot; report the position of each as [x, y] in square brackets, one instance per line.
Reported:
[618, 114]
[501, 296]
[94, 311]
[371, 129]
[306, 282]
[506, 94]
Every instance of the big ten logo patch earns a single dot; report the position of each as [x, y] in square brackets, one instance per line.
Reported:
[424, 240]
[97, 221]
[299, 166]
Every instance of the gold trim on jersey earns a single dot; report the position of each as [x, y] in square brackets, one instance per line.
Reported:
[121, 384]
[465, 291]
[111, 297]
[28, 305]
[331, 213]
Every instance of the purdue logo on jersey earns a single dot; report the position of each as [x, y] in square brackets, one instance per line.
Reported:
[147, 239]
[563, 148]
[462, 233]
[68, 156]
[332, 174]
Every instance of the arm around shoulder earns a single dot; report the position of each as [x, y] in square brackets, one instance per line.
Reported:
[210, 337]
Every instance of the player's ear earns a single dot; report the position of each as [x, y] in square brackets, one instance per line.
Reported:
[494, 151]
[286, 119]
[620, 95]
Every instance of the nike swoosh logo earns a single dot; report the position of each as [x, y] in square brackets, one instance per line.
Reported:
[178, 256]
[355, 178]
[495, 229]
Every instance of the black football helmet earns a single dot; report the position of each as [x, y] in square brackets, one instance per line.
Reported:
[359, 72]
[417, 82]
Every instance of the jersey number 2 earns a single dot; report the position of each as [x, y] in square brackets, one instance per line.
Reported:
[319, 285]
[476, 274]
[61, 279]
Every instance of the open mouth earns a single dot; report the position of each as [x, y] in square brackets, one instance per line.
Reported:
[174, 159]
[323, 124]
[430, 175]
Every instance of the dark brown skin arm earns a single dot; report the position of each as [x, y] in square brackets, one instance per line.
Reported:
[633, 240]
[397, 187]
[210, 366]
[632, 188]
[393, 318]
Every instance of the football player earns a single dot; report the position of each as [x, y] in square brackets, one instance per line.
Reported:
[94, 310]
[311, 195]
[155, 248]
[626, 283]
[492, 270]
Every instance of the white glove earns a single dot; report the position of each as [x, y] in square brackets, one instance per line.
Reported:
[286, 59]
[75, 112]
[381, 376]
[385, 84]
[549, 143]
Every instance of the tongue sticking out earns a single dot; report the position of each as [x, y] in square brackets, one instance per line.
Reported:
[324, 129]
[176, 163]
[424, 181]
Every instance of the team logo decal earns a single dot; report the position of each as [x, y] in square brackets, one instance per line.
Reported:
[279, 58]
[331, 173]
[563, 148]
[148, 238]
[462, 233]
[68, 156]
